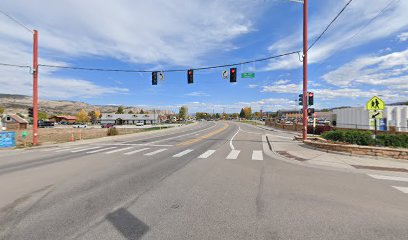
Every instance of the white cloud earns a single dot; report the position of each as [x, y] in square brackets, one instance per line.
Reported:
[390, 70]
[177, 32]
[198, 94]
[252, 85]
[283, 88]
[279, 82]
[340, 36]
[403, 37]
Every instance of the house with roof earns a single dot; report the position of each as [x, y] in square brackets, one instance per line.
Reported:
[129, 119]
[14, 122]
[63, 119]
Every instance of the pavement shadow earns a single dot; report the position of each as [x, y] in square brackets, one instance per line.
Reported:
[127, 224]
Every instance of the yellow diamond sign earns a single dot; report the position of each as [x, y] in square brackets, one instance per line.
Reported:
[375, 103]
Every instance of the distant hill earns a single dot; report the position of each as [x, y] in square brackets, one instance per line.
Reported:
[20, 103]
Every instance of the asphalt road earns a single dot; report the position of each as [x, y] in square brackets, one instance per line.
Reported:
[213, 180]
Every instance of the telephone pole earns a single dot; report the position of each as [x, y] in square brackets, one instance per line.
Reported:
[305, 49]
[35, 88]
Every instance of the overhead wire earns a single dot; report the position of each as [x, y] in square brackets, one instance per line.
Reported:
[329, 25]
[168, 70]
[16, 21]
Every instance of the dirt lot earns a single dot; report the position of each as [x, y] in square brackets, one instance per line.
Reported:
[60, 135]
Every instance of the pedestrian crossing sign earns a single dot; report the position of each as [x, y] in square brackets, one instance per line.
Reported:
[375, 103]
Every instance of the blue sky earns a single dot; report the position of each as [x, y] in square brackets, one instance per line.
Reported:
[352, 62]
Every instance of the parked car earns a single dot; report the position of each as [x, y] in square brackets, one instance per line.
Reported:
[79, 126]
[107, 125]
[139, 124]
[45, 124]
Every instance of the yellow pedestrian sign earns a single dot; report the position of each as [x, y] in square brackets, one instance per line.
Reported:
[375, 103]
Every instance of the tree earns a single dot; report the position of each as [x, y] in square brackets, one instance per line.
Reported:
[94, 116]
[183, 112]
[217, 116]
[248, 112]
[120, 110]
[42, 116]
[82, 116]
[141, 111]
[242, 113]
[97, 113]
[257, 114]
[224, 116]
[1, 109]
[130, 112]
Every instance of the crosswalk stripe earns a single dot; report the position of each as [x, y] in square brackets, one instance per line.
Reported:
[183, 153]
[402, 189]
[207, 154]
[257, 155]
[233, 154]
[118, 150]
[383, 177]
[100, 150]
[136, 151]
[86, 149]
[155, 152]
[69, 149]
[53, 149]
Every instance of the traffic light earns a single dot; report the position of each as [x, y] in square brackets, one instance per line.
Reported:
[301, 99]
[190, 76]
[310, 100]
[154, 78]
[233, 74]
[310, 111]
[30, 112]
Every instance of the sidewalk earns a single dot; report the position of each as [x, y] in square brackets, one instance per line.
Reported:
[299, 152]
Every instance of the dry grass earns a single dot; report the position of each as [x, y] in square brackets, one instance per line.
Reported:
[60, 135]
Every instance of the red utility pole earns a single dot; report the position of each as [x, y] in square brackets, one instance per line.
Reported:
[305, 46]
[35, 88]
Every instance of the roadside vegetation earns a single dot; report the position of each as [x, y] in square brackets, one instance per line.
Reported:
[365, 138]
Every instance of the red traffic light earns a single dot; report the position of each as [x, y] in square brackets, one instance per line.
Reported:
[232, 70]
[310, 94]
[190, 72]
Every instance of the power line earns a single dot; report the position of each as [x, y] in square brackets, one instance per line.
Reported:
[168, 70]
[328, 26]
[16, 21]
[14, 65]
[371, 20]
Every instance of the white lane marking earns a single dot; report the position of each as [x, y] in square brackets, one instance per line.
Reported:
[155, 152]
[233, 154]
[100, 150]
[119, 150]
[257, 155]
[383, 177]
[231, 145]
[402, 189]
[137, 144]
[207, 154]
[136, 151]
[68, 149]
[165, 139]
[183, 153]
[86, 149]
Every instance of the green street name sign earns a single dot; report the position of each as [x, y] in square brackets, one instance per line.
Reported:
[248, 75]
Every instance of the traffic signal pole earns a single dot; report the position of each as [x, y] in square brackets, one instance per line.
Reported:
[35, 88]
[305, 48]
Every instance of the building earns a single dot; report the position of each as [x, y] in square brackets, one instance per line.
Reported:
[14, 122]
[60, 119]
[289, 114]
[129, 119]
[394, 118]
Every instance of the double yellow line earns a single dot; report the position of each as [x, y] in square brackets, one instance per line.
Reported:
[226, 125]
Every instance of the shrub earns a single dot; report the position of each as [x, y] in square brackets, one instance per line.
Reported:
[393, 140]
[319, 129]
[350, 136]
[112, 131]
